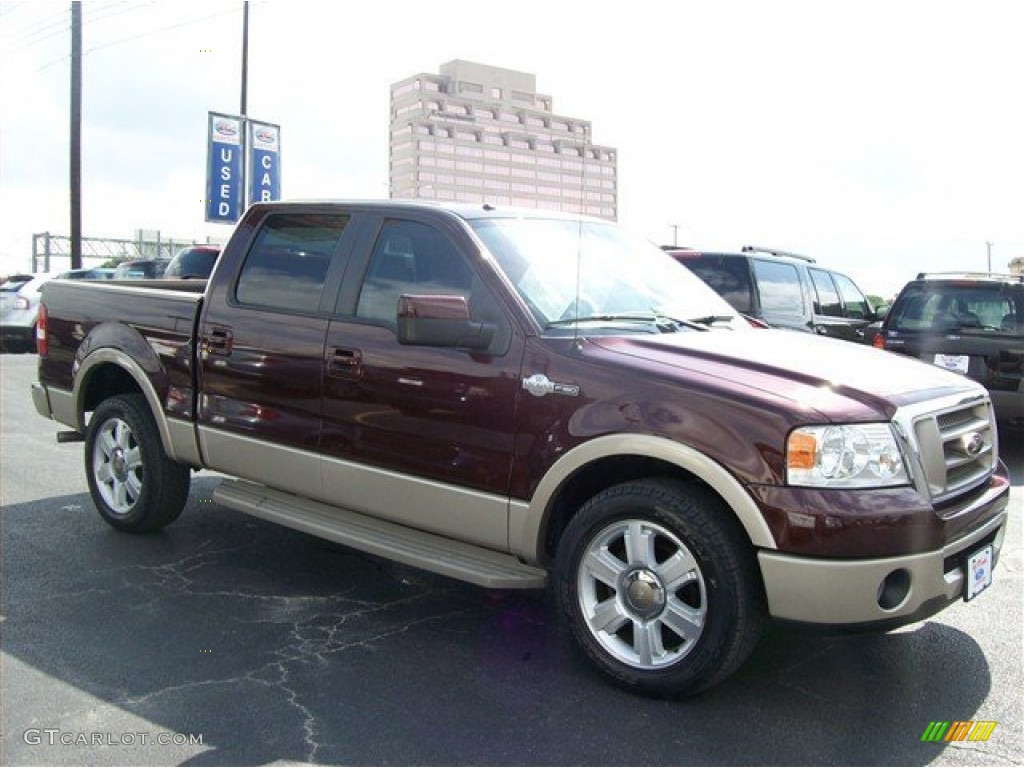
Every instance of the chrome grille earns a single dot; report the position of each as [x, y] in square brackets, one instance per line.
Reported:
[958, 448]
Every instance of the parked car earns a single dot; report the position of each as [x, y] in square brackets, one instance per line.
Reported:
[784, 290]
[194, 262]
[19, 307]
[972, 324]
[141, 269]
[91, 273]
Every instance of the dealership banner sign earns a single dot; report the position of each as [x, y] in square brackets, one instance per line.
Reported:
[264, 162]
[224, 168]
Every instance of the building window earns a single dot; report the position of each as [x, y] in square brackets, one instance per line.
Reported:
[496, 93]
[471, 88]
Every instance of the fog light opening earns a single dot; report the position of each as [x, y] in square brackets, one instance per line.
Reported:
[893, 590]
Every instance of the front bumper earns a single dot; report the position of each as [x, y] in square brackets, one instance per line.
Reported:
[859, 592]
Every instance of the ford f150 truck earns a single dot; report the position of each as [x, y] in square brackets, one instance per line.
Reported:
[514, 398]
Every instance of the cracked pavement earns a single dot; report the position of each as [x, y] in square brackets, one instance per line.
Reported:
[279, 648]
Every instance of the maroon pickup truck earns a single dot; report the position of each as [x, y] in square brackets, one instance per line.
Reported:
[516, 397]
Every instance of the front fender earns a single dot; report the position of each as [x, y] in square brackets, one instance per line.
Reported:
[528, 520]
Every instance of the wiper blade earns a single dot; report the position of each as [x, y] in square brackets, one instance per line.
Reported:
[711, 319]
[630, 317]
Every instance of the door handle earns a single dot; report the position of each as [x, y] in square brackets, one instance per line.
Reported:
[344, 363]
[218, 341]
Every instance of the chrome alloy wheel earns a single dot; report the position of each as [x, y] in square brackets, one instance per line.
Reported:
[642, 594]
[117, 465]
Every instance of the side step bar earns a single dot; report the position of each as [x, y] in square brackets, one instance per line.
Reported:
[428, 551]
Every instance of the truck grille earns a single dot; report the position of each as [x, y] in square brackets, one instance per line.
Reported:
[958, 448]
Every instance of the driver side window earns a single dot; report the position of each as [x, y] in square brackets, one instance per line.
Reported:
[410, 257]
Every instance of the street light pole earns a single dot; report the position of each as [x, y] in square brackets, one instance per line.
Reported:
[988, 246]
[245, 59]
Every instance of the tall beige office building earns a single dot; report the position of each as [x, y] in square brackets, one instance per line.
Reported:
[476, 133]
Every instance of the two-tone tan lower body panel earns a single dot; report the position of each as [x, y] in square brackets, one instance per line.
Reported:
[850, 592]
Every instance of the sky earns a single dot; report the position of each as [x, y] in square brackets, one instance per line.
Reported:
[882, 138]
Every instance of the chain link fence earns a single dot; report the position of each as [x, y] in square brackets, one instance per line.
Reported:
[52, 253]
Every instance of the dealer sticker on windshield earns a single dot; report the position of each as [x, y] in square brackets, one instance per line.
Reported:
[979, 572]
[955, 363]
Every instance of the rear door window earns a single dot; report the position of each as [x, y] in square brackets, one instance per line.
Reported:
[729, 277]
[778, 286]
[826, 301]
[286, 268]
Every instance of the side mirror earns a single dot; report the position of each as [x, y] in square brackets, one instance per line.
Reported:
[440, 321]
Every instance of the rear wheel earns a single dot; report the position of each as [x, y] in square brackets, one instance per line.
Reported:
[136, 487]
[659, 587]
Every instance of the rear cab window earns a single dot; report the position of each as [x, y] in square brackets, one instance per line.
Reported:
[286, 267]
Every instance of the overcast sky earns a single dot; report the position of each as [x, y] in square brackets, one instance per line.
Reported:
[883, 138]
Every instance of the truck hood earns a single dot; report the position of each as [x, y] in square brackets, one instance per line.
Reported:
[839, 379]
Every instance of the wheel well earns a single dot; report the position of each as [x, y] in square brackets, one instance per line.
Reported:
[106, 381]
[599, 475]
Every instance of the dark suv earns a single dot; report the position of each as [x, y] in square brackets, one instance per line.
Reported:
[784, 290]
[969, 323]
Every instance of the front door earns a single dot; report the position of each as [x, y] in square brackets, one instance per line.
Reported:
[421, 435]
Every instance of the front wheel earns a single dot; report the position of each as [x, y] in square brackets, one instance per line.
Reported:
[659, 587]
[136, 487]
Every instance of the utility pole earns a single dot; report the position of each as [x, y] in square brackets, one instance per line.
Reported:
[76, 136]
[988, 246]
[675, 235]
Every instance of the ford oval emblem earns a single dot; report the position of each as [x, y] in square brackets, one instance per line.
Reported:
[973, 443]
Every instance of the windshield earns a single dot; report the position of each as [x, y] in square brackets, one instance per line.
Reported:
[594, 272]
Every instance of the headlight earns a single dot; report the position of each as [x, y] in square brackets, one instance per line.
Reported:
[845, 456]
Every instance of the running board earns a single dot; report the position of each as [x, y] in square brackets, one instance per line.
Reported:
[428, 551]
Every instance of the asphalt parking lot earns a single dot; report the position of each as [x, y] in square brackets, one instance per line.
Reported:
[224, 640]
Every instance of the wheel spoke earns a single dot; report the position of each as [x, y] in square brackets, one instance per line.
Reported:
[119, 496]
[107, 442]
[678, 570]
[604, 566]
[608, 617]
[103, 473]
[133, 458]
[133, 486]
[647, 642]
[123, 435]
[639, 544]
[685, 621]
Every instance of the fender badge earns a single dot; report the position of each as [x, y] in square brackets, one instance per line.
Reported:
[539, 385]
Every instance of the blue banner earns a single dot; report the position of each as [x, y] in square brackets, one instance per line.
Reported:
[264, 162]
[224, 169]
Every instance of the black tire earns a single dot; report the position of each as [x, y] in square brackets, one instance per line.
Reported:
[678, 613]
[135, 486]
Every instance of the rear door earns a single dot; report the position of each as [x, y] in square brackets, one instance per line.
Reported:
[780, 294]
[262, 343]
[840, 309]
[420, 435]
